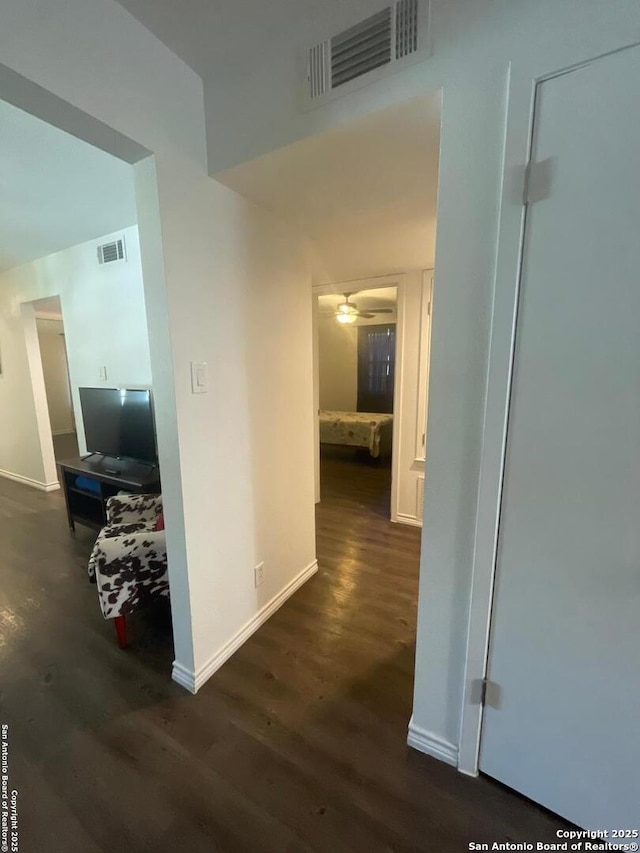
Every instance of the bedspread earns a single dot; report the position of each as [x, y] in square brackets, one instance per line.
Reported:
[357, 429]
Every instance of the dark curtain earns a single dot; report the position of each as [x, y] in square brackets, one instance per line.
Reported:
[376, 367]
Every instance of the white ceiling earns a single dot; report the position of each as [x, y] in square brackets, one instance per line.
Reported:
[55, 190]
[365, 193]
[192, 29]
[364, 300]
[251, 56]
[381, 297]
[210, 34]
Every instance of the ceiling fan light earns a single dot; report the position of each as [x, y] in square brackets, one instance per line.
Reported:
[346, 318]
[345, 308]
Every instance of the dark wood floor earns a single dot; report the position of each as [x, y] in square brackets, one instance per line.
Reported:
[298, 743]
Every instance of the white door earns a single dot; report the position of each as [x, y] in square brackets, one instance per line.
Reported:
[565, 639]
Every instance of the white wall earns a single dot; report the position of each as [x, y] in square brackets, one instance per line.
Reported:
[338, 366]
[105, 325]
[56, 375]
[253, 430]
[202, 248]
[277, 272]
[486, 56]
[115, 76]
[227, 257]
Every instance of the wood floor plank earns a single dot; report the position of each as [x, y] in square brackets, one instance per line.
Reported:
[297, 744]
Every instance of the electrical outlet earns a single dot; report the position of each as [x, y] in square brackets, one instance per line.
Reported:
[259, 574]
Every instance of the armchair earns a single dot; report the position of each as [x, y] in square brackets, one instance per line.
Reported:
[129, 559]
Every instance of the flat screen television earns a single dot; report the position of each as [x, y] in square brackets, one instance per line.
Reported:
[119, 422]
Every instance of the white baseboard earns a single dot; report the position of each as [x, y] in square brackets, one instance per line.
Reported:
[401, 518]
[63, 432]
[183, 676]
[473, 773]
[27, 481]
[432, 744]
[193, 681]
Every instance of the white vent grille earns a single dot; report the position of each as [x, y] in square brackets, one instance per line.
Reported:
[361, 48]
[406, 27]
[319, 69]
[397, 32]
[110, 252]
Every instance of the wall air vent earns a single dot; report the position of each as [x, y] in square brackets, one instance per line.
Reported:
[368, 49]
[406, 27]
[318, 69]
[361, 48]
[110, 252]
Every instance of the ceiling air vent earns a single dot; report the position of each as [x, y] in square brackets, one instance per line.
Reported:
[376, 44]
[110, 252]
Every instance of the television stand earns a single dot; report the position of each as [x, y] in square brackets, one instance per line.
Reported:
[150, 465]
[88, 483]
[113, 471]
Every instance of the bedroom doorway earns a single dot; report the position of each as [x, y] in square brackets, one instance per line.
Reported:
[357, 365]
[364, 196]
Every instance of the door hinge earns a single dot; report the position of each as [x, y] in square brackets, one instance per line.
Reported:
[486, 692]
[429, 308]
[538, 180]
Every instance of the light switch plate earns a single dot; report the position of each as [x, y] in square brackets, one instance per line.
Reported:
[199, 377]
[102, 373]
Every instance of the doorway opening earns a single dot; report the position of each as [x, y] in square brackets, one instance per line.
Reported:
[55, 371]
[356, 365]
[73, 319]
[363, 197]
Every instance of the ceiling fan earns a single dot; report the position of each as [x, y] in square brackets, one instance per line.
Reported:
[348, 312]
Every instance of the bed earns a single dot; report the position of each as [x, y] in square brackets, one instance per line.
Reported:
[371, 430]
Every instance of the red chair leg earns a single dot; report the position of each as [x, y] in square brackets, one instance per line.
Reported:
[121, 631]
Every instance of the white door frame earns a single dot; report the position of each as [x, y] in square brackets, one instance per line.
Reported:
[358, 284]
[520, 114]
[424, 350]
[39, 392]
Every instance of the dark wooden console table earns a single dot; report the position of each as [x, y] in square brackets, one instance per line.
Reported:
[87, 502]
